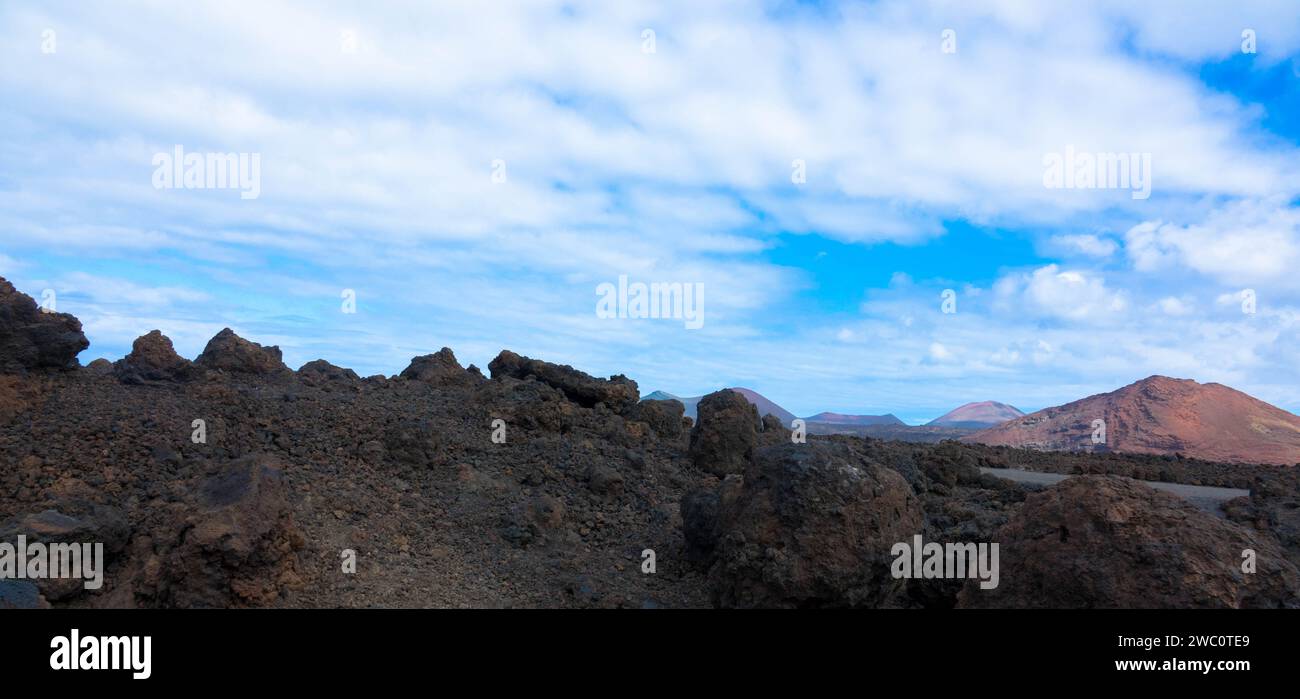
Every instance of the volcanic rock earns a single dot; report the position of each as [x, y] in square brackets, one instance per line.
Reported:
[73, 522]
[617, 392]
[811, 525]
[237, 546]
[663, 416]
[438, 369]
[152, 358]
[231, 353]
[1112, 542]
[321, 371]
[724, 438]
[31, 339]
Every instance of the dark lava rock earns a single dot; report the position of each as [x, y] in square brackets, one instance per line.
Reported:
[321, 371]
[152, 358]
[32, 339]
[231, 353]
[439, 369]
[617, 392]
[74, 522]
[100, 366]
[236, 546]
[700, 523]
[811, 525]
[1112, 542]
[663, 416]
[724, 438]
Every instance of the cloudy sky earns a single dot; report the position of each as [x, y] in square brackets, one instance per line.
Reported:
[831, 174]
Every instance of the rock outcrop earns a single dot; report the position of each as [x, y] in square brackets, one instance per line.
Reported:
[152, 358]
[439, 369]
[230, 353]
[69, 522]
[31, 339]
[1112, 542]
[663, 416]
[236, 547]
[809, 525]
[726, 434]
[321, 371]
[617, 392]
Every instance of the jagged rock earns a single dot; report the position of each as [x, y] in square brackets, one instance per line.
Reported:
[152, 358]
[100, 366]
[231, 353]
[1112, 542]
[1274, 512]
[772, 431]
[724, 438]
[235, 547]
[73, 522]
[663, 416]
[439, 369]
[322, 371]
[811, 525]
[31, 339]
[617, 392]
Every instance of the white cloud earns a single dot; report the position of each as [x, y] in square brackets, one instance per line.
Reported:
[1247, 242]
[1084, 244]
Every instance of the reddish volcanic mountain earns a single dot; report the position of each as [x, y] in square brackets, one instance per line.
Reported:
[982, 414]
[1160, 415]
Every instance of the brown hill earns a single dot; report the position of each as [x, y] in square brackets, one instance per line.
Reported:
[982, 414]
[1160, 415]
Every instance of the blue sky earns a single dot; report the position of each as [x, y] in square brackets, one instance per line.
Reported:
[379, 129]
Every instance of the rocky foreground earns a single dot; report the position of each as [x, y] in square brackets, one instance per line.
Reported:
[233, 480]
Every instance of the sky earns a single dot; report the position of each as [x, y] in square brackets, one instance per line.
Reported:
[869, 195]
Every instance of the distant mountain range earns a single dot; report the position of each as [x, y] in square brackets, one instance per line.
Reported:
[1160, 415]
[1157, 415]
[767, 407]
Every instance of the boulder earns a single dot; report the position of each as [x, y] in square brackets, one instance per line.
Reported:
[811, 525]
[663, 416]
[726, 433]
[69, 521]
[228, 352]
[617, 392]
[236, 546]
[1113, 542]
[152, 358]
[31, 339]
